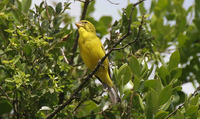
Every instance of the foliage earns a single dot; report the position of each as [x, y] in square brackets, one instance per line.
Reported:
[35, 76]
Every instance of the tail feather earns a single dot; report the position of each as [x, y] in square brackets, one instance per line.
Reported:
[113, 95]
[112, 91]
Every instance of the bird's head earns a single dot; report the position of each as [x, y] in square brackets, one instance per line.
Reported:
[89, 27]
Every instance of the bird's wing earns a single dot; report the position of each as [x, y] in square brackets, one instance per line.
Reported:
[105, 53]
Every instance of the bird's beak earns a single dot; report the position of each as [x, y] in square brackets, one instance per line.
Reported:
[79, 24]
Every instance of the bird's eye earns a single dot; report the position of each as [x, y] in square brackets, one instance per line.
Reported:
[85, 22]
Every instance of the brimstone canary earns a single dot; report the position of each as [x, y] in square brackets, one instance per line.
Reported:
[92, 51]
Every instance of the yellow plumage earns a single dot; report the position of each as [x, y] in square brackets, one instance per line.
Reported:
[92, 51]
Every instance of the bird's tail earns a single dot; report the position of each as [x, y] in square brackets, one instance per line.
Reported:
[112, 91]
[113, 95]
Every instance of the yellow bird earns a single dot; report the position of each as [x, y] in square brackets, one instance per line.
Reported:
[92, 51]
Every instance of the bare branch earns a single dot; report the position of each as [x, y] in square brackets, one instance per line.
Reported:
[3, 92]
[79, 104]
[179, 107]
[63, 54]
[85, 80]
[47, 11]
[113, 2]
[137, 38]
[80, 0]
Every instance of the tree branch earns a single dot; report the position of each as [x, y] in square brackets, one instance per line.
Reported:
[113, 2]
[179, 107]
[131, 100]
[85, 80]
[137, 38]
[47, 11]
[71, 60]
[63, 54]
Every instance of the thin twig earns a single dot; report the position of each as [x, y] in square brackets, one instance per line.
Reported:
[105, 117]
[85, 80]
[3, 92]
[113, 2]
[179, 107]
[63, 54]
[85, 99]
[80, 1]
[131, 100]
[76, 65]
[79, 104]
[47, 11]
[130, 104]
[137, 38]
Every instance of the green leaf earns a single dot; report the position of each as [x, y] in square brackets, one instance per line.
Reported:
[51, 11]
[150, 70]
[161, 59]
[57, 21]
[178, 88]
[136, 83]
[174, 60]
[110, 115]
[164, 74]
[5, 107]
[191, 110]
[3, 74]
[141, 117]
[128, 12]
[144, 71]
[151, 104]
[165, 95]
[197, 23]
[167, 104]
[119, 55]
[181, 26]
[159, 86]
[194, 100]
[176, 73]
[124, 74]
[27, 49]
[26, 4]
[16, 59]
[115, 75]
[86, 108]
[182, 39]
[135, 66]
[178, 115]
[141, 103]
[45, 24]
[101, 28]
[170, 16]
[174, 81]
[106, 20]
[162, 4]
[58, 7]
[150, 83]
[142, 8]
[141, 86]
[161, 115]
[3, 3]
[9, 30]
[127, 94]
[90, 8]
